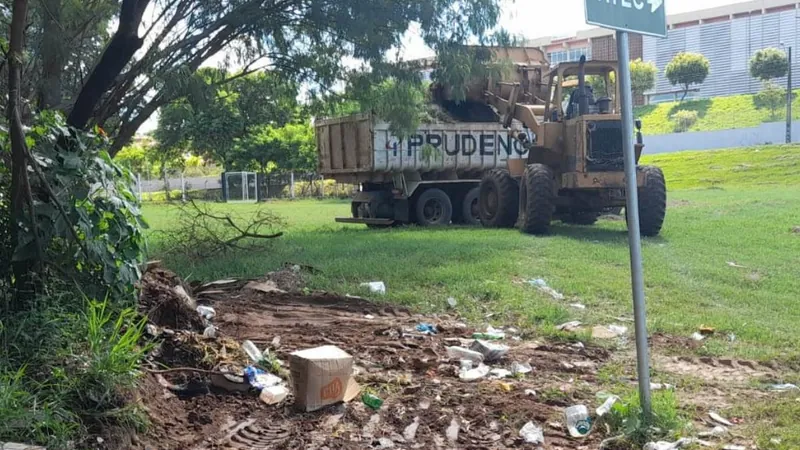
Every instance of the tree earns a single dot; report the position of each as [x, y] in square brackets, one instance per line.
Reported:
[687, 69]
[771, 97]
[643, 76]
[287, 148]
[769, 63]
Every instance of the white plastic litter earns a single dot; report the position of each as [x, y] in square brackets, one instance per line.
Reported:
[569, 326]
[542, 286]
[578, 421]
[662, 445]
[464, 353]
[578, 305]
[499, 373]
[274, 394]
[491, 352]
[532, 433]
[452, 430]
[719, 419]
[661, 387]
[520, 368]
[377, 287]
[210, 332]
[474, 374]
[784, 387]
[697, 336]
[605, 408]
[717, 431]
[411, 431]
[252, 351]
[451, 301]
[207, 312]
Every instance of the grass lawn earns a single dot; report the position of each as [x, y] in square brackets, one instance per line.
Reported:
[717, 113]
[689, 282]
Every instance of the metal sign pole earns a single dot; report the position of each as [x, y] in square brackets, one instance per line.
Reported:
[632, 211]
[789, 100]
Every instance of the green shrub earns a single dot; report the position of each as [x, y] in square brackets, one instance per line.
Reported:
[772, 97]
[684, 119]
[666, 422]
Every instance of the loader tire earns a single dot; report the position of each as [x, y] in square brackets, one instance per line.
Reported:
[537, 197]
[498, 200]
[582, 218]
[652, 201]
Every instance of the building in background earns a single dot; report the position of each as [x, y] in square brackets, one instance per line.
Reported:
[727, 35]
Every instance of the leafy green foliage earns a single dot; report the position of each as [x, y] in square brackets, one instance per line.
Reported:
[769, 63]
[99, 208]
[626, 418]
[643, 76]
[686, 69]
[290, 147]
[771, 97]
[683, 120]
[399, 101]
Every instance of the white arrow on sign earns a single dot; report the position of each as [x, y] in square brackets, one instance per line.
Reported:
[655, 4]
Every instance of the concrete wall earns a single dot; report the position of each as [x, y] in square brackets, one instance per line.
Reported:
[766, 133]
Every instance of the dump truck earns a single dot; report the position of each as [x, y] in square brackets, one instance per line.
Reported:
[574, 168]
[431, 177]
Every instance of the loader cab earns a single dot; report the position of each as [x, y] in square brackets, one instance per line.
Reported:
[599, 93]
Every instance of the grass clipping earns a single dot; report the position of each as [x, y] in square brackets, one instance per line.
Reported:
[202, 232]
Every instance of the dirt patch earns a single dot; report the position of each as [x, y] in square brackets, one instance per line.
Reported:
[678, 203]
[165, 301]
[288, 279]
[410, 371]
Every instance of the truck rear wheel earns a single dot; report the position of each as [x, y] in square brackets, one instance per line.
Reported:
[434, 208]
[498, 200]
[652, 201]
[470, 207]
[537, 197]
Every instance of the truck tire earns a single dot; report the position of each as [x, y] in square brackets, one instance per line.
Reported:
[470, 207]
[581, 218]
[498, 200]
[434, 208]
[537, 197]
[652, 201]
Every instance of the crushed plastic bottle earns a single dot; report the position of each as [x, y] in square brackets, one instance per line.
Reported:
[520, 368]
[605, 408]
[491, 334]
[377, 287]
[373, 401]
[579, 423]
[252, 351]
[474, 374]
[461, 353]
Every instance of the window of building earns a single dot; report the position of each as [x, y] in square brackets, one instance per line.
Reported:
[570, 55]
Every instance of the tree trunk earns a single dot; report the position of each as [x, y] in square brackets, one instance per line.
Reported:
[685, 92]
[23, 284]
[53, 56]
[116, 56]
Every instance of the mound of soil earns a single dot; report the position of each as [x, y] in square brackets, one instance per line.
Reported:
[165, 301]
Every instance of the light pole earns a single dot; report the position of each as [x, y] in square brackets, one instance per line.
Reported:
[789, 99]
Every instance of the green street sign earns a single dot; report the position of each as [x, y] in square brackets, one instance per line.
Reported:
[637, 16]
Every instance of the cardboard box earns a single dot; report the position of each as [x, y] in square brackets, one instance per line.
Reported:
[322, 376]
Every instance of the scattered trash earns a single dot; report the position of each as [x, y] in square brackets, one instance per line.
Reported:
[578, 421]
[461, 353]
[608, 332]
[605, 408]
[578, 345]
[577, 305]
[661, 445]
[474, 374]
[410, 433]
[491, 334]
[465, 364]
[220, 283]
[542, 286]
[566, 365]
[499, 373]
[784, 387]
[530, 392]
[269, 287]
[661, 387]
[273, 395]
[505, 387]
[260, 379]
[520, 368]
[734, 447]
[207, 312]
[451, 302]
[569, 326]
[491, 352]
[452, 431]
[151, 330]
[426, 328]
[229, 382]
[706, 331]
[322, 376]
[185, 298]
[252, 351]
[738, 266]
[719, 419]
[384, 443]
[584, 364]
[373, 401]
[369, 316]
[532, 434]
[210, 332]
[731, 337]
[717, 431]
[377, 287]
[697, 336]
